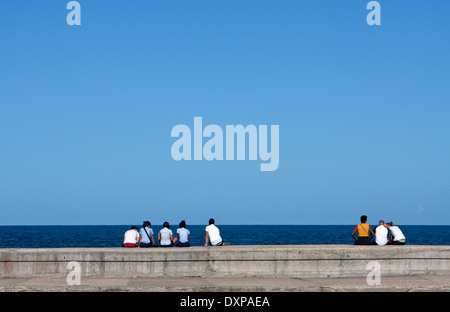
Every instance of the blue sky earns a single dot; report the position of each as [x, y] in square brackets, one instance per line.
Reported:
[86, 111]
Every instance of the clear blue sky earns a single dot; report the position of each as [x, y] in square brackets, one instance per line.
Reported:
[86, 111]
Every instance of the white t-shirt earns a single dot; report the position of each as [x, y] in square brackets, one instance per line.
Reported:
[131, 236]
[381, 233]
[165, 236]
[184, 234]
[397, 233]
[214, 234]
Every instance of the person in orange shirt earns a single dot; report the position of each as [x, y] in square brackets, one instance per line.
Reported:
[365, 233]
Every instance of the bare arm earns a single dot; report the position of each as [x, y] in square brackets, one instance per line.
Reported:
[206, 238]
[372, 234]
[354, 231]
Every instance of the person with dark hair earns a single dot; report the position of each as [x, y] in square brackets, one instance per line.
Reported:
[183, 235]
[165, 236]
[363, 230]
[131, 237]
[397, 237]
[146, 238]
[213, 234]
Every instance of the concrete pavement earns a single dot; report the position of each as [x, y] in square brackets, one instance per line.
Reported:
[421, 283]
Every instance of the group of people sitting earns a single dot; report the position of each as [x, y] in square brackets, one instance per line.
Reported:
[381, 234]
[144, 237]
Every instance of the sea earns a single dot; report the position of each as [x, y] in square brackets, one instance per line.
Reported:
[59, 236]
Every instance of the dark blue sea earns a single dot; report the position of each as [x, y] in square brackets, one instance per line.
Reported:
[112, 235]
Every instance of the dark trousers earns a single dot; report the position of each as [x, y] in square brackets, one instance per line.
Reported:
[363, 241]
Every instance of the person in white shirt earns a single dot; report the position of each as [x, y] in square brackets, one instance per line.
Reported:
[131, 237]
[213, 234]
[397, 237]
[381, 234]
[183, 235]
[165, 236]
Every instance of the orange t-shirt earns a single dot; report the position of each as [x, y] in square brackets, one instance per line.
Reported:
[363, 230]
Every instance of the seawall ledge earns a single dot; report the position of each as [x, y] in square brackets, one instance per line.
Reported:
[270, 261]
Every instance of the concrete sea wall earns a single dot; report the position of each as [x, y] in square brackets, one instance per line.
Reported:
[307, 261]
